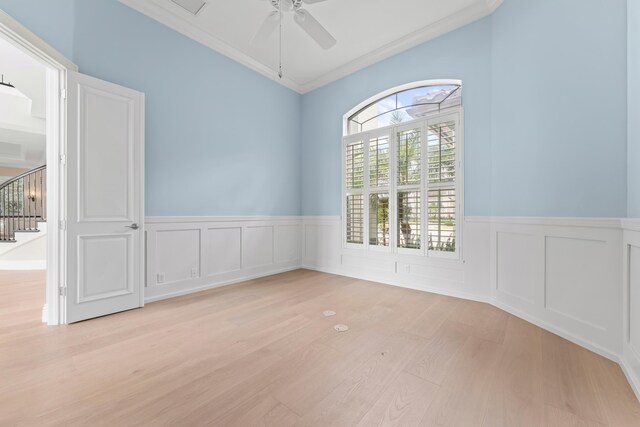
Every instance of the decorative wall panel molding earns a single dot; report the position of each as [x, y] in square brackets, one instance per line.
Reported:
[578, 278]
[631, 306]
[188, 254]
[563, 277]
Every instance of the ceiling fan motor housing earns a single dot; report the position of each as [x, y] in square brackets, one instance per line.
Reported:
[287, 5]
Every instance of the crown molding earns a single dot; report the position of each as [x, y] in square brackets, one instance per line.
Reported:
[182, 26]
[452, 22]
[459, 19]
[493, 4]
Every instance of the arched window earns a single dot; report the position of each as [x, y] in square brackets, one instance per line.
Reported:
[418, 100]
[402, 170]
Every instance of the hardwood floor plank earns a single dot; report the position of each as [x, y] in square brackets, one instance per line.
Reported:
[555, 417]
[403, 403]
[262, 353]
[567, 385]
[462, 397]
[619, 403]
[434, 360]
[516, 395]
[352, 398]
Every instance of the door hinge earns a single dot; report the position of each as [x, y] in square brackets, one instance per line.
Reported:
[63, 94]
[62, 290]
[63, 159]
[63, 225]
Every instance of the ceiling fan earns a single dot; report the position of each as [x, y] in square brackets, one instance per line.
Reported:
[302, 17]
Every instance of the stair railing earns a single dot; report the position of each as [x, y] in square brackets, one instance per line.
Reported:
[23, 203]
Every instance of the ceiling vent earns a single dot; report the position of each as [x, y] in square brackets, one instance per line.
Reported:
[193, 6]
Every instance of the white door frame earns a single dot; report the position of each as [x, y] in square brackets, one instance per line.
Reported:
[57, 67]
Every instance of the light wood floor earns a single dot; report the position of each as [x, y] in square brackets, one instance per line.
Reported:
[261, 353]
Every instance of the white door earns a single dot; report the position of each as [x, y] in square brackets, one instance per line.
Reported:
[105, 211]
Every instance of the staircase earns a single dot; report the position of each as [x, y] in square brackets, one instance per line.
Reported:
[23, 204]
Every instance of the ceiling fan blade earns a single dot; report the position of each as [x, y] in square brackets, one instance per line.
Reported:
[267, 28]
[312, 1]
[315, 30]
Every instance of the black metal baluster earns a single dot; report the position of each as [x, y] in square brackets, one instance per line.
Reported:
[13, 208]
[41, 196]
[27, 214]
[2, 214]
[31, 205]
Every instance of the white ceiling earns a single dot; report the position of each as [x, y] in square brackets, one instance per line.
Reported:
[22, 122]
[26, 74]
[367, 31]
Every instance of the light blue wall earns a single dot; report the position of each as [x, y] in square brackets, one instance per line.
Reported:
[464, 54]
[634, 109]
[559, 108]
[545, 110]
[545, 101]
[221, 139]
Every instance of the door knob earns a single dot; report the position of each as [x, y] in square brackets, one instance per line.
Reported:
[133, 226]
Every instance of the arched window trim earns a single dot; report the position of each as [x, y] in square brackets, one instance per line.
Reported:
[425, 188]
[380, 96]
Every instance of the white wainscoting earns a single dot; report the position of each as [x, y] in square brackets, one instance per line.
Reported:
[562, 274]
[187, 254]
[466, 278]
[631, 303]
[578, 278]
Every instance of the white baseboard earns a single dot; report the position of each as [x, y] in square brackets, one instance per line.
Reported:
[561, 274]
[23, 265]
[214, 285]
[631, 367]
[190, 254]
[558, 331]
[478, 298]
[409, 284]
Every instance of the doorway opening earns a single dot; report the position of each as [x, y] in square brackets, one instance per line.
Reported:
[93, 188]
[31, 137]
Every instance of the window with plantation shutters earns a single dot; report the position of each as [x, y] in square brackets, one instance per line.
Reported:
[409, 191]
[441, 198]
[402, 177]
[355, 165]
[379, 162]
[441, 152]
[355, 218]
[355, 183]
[379, 185]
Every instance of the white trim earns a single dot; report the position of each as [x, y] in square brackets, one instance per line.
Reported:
[549, 221]
[493, 4]
[182, 25]
[28, 42]
[558, 331]
[454, 113]
[377, 279]
[57, 67]
[389, 92]
[190, 219]
[629, 372]
[630, 356]
[631, 224]
[214, 285]
[39, 264]
[460, 19]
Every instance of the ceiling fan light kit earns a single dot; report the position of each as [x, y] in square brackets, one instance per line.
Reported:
[302, 17]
